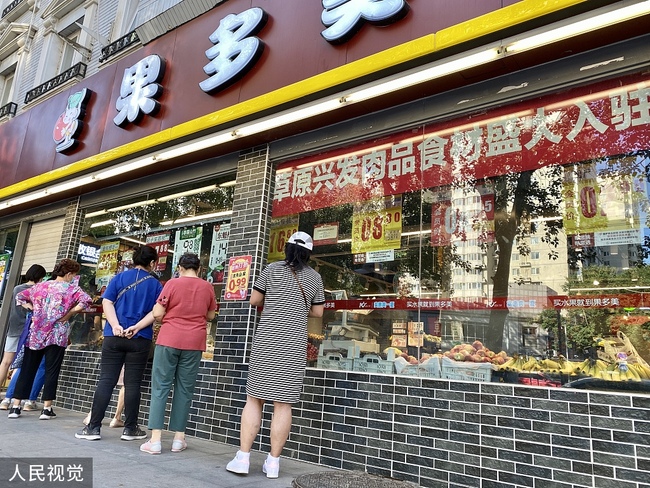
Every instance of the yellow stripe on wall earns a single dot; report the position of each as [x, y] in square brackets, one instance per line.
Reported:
[496, 21]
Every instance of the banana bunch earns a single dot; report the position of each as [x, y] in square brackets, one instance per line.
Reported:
[566, 367]
[550, 366]
[511, 364]
[615, 373]
[520, 364]
[593, 367]
[641, 369]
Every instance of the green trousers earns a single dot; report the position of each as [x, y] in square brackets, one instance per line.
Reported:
[177, 368]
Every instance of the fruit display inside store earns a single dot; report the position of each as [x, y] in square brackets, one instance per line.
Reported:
[313, 341]
[593, 368]
[312, 352]
[476, 352]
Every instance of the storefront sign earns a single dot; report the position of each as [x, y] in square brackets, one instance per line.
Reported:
[236, 48]
[69, 124]
[632, 300]
[139, 90]
[342, 18]
[326, 234]
[160, 242]
[281, 230]
[218, 251]
[377, 225]
[107, 265]
[522, 137]
[88, 253]
[187, 241]
[239, 269]
[4, 267]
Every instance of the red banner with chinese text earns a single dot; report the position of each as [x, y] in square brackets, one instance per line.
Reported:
[608, 118]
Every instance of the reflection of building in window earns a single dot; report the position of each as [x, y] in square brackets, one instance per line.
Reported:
[6, 86]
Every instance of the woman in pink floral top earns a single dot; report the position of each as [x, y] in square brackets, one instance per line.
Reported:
[53, 304]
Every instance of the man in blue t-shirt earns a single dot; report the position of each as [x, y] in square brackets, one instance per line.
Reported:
[127, 302]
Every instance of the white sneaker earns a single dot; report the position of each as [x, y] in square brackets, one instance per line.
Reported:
[240, 464]
[4, 404]
[30, 406]
[272, 469]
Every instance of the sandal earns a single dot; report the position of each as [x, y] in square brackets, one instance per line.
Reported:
[179, 445]
[151, 447]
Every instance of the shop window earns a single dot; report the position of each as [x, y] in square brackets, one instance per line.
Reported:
[6, 87]
[190, 218]
[412, 280]
[7, 246]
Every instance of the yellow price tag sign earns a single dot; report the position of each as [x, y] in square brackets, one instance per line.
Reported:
[377, 226]
[281, 230]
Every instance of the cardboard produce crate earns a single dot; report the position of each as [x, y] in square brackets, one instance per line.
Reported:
[427, 369]
[455, 370]
[335, 361]
[371, 363]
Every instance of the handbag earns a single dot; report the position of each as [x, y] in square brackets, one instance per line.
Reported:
[20, 352]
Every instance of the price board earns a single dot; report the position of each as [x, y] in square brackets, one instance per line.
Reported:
[377, 225]
[187, 240]
[239, 269]
[160, 242]
[218, 251]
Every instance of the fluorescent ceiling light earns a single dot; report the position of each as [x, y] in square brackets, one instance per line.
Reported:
[102, 223]
[583, 26]
[196, 145]
[125, 168]
[133, 240]
[228, 183]
[186, 193]
[27, 198]
[197, 217]
[131, 205]
[69, 185]
[419, 75]
[95, 214]
[289, 116]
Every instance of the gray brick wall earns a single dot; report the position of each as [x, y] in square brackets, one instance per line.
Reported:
[71, 234]
[434, 432]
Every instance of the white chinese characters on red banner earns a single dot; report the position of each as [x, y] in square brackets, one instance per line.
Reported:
[632, 300]
[556, 129]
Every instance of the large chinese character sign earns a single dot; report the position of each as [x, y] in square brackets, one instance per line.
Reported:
[343, 18]
[139, 90]
[235, 50]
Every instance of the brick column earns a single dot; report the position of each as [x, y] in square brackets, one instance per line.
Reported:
[248, 236]
[71, 235]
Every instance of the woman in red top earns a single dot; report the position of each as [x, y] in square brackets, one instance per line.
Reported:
[184, 307]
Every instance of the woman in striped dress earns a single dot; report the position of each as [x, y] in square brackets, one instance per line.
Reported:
[289, 291]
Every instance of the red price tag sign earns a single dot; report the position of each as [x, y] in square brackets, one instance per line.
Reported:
[239, 269]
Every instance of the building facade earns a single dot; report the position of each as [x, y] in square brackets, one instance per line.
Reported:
[474, 176]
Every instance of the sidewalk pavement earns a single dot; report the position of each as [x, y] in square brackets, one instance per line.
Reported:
[120, 464]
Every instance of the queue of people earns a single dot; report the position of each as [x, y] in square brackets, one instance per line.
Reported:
[287, 292]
